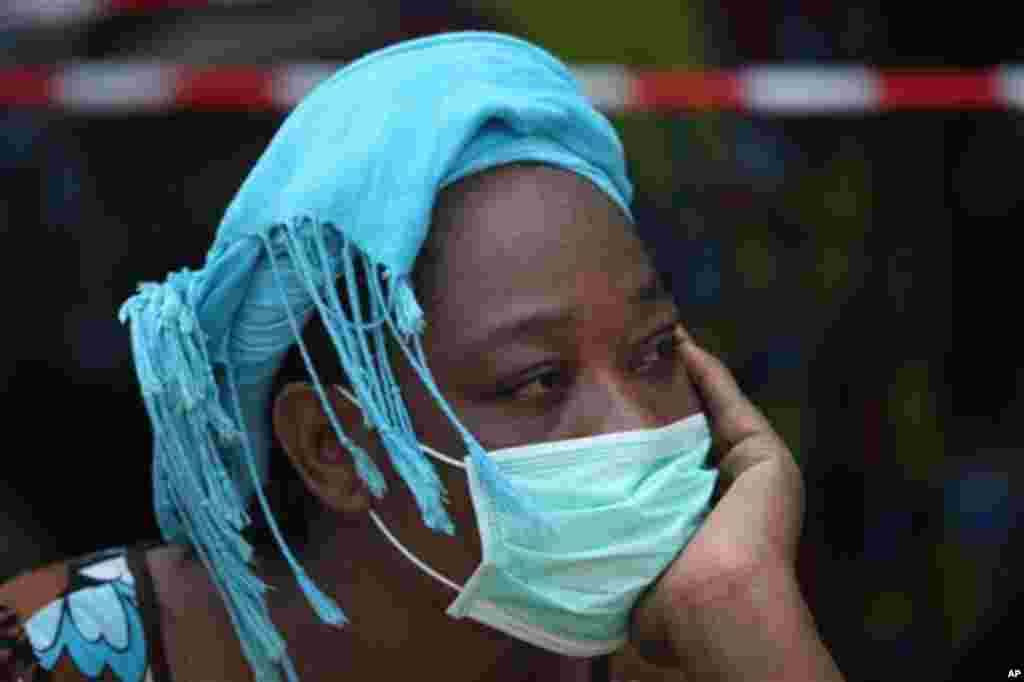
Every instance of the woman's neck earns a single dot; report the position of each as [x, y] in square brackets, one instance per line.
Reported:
[397, 625]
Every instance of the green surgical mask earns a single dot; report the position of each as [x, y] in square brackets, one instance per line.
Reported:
[621, 505]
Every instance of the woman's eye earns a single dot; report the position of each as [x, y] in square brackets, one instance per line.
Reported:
[666, 348]
[537, 387]
[546, 384]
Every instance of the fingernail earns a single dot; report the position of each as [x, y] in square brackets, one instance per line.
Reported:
[683, 337]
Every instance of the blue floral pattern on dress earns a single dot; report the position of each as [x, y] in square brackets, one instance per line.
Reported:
[96, 621]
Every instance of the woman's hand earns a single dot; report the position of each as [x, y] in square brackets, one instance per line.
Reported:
[729, 607]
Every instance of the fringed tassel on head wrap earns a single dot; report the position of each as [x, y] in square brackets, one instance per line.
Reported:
[509, 500]
[373, 380]
[368, 370]
[348, 181]
[196, 501]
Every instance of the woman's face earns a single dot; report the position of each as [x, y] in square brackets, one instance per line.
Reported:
[547, 322]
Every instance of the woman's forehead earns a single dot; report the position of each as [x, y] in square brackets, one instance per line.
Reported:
[518, 210]
[519, 236]
[528, 185]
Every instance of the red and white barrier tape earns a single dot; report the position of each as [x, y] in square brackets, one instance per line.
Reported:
[126, 87]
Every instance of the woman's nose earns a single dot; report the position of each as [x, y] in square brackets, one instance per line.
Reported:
[614, 404]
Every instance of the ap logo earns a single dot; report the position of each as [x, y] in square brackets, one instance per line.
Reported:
[1014, 674]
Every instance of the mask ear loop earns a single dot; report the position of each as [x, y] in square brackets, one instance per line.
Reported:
[412, 557]
[429, 450]
[391, 538]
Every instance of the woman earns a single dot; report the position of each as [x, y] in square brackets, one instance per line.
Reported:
[503, 440]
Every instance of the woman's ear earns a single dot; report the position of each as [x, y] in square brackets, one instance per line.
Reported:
[305, 432]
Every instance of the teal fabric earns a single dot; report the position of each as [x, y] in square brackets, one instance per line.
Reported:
[348, 182]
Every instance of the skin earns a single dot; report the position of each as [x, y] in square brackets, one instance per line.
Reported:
[518, 241]
[522, 240]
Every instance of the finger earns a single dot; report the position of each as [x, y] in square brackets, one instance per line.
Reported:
[746, 437]
[734, 418]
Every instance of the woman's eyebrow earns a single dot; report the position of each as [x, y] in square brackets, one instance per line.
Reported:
[542, 319]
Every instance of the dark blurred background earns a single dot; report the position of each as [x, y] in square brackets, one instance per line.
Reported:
[814, 253]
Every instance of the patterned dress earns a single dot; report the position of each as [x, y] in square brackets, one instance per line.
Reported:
[92, 618]
[96, 618]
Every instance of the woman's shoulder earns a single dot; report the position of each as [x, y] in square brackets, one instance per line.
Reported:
[92, 617]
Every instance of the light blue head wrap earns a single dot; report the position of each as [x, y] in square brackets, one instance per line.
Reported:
[351, 177]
